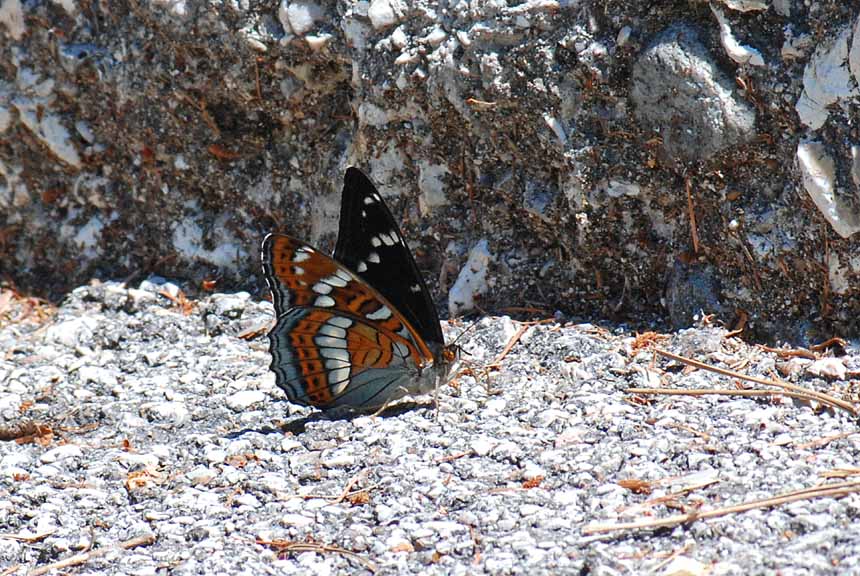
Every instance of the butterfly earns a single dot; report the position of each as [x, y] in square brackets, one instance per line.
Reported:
[357, 330]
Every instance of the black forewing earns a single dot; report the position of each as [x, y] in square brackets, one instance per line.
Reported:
[395, 274]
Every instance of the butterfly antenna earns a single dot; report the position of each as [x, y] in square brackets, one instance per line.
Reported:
[464, 332]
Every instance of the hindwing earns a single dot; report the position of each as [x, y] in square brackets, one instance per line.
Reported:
[337, 340]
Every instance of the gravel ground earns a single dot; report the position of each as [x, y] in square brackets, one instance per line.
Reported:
[157, 418]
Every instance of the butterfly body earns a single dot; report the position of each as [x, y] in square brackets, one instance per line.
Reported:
[358, 330]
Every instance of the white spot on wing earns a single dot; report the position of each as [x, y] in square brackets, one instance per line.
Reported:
[368, 200]
[402, 349]
[324, 301]
[362, 267]
[335, 280]
[381, 314]
[339, 380]
[333, 331]
[363, 214]
[301, 256]
[335, 363]
[415, 288]
[322, 288]
[298, 270]
[389, 239]
[338, 354]
[343, 275]
[329, 341]
[340, 321]
[375, 242]
[373, 257]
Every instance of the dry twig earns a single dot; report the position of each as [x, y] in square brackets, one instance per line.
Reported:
[79, 559]
[509, 346]
[832, 490]
[787, 389]
[819, 442]
[25, 432]
[288, 546]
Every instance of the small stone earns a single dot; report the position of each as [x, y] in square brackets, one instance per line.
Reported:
[248, 500]
[74, 332]
[244, 399]
[200, 475]
[384, 513]
[97, 375]
[136, 461]
[296, 520]
[482, 446]
[685, 566]
[175, 412]
[381, 14]
[828, 368]
[472, 280]
[61, 453]
[299, 17]
[214, 454]
[230, 305]
[340, 459]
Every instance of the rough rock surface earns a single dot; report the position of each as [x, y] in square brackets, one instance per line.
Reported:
[157, 419]
[594, 145]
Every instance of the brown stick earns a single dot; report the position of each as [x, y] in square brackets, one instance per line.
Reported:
[717, 392]
[79, 559]
[288, 546]
[511, 343]
[818, 443]
[804, 392]
[832, 490]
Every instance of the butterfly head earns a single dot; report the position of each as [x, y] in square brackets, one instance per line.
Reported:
[446, 360]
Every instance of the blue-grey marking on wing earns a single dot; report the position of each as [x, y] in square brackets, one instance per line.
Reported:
[364, 385]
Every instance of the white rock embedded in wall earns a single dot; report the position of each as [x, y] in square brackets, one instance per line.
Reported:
[819, 177]
[47, 127]
[826, 80]
[88, 237]
[855, 165]
[69, 6]
[386, 167]
[556, 126]
[5, 119]
[13, 191]
[472, 280]
[188, 241]
[738, 52]
[431, 185]
[384, 13]
[317, 42]
[178, 8]
[838, 275]
[299, 18]
[372, 115]
[746, 5]
[12, 15]
[854, 52]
